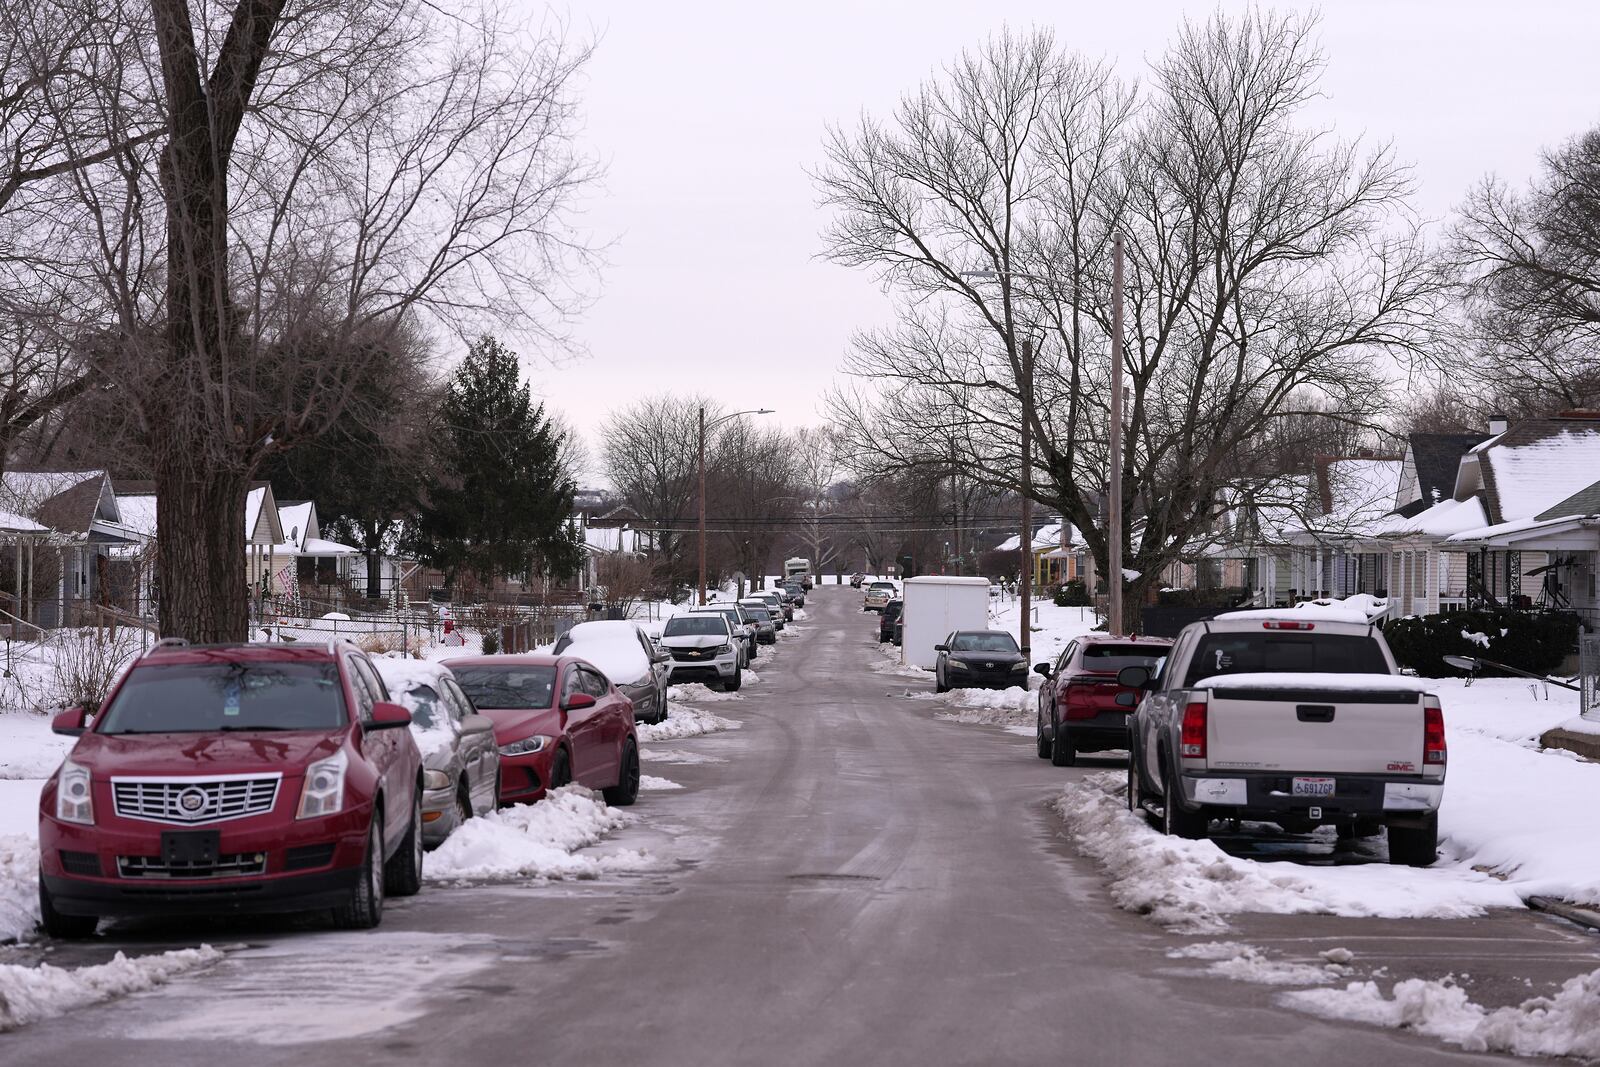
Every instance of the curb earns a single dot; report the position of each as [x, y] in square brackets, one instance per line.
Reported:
[1571, 912]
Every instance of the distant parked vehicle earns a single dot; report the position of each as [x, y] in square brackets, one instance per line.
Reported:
[878, 594]
[627, 657]
[1078, 708]
[233, 778]
[557, 720]
[766, 623]
[978, 659]
[460, 762]
[1274, 716]
[781, 607]
[704, 648]
[887, 619]
[797, 591]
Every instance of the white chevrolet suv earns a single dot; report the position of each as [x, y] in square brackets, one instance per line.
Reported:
[1289, 717]
[703, 648]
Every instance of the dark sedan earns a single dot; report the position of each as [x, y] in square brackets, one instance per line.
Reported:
[979, 659]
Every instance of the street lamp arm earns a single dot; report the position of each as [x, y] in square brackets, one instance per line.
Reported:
[734, 415]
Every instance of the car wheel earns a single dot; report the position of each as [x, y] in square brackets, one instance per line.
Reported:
[463, 803]
[1062, 751]
[626, 791]
[1415, 846]
[560, 770]
[1039, 738]
[1175, 820]
[364, 909]
[63, 927]
[402, 875]
[731, 685]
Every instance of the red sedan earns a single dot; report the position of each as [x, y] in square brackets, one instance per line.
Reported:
[1078, 709]
[233, 778]
[556, 720]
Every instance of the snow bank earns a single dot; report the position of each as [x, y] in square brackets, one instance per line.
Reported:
[535, 841]
[1193, 885]
[19, 888]
[27, 747]
[650, 781]
[1004, 707]
[1567, 1024]
[1246, 963]
[29, 994]
[681, 722]
[701, 693]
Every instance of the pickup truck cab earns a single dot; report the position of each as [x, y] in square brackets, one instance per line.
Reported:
[1288, 717]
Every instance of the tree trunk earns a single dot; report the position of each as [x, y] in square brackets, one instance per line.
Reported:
[201, 549]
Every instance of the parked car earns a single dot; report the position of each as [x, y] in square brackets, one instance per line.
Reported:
[978, 659]
[766, 623]
[703, 648]
[796, 590]
[879, 594]
[899, 635]
[622, 652]
[856, 580]
[789, 601]
[887, 618]
[1078, 710]
[233, 778]
[782, 610]
[557, 720]
[744, 627]
[1267, 716]
[460, 763]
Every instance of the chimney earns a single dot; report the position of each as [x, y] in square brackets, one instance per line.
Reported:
[1497, 425]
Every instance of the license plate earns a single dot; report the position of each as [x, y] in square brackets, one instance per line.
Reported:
[1312, 787]
[191, 848]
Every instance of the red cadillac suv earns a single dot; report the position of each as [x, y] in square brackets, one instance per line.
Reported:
[233, 778]
[1078, 709]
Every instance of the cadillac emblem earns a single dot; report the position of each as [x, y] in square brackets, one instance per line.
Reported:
[191, 801]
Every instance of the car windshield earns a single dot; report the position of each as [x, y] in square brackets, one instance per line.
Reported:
[424, 704]
[881, 587]
[685, 625]
[1284, 653]
[510, 686]
[1109, 659]
[760, 614]
[214, 696]
[892, 608]
[984, 642]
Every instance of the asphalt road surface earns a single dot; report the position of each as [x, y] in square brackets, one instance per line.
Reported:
[856, 883]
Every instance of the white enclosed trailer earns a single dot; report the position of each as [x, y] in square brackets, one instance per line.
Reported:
[935, 605]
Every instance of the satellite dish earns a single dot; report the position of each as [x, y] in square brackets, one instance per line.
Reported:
[1463, 663]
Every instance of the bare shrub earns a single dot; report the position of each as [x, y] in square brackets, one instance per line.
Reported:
[626, 579]
[86, 662]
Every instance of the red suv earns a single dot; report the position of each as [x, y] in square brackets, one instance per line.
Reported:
[557, 720]
[1078, 709]
[233, 778]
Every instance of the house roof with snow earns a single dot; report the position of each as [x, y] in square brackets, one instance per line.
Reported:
[79, 505]
[1532, 466]
[261, 525]
[1045, 537]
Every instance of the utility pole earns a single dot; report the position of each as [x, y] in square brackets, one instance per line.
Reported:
[1025, 630]
[702, 455]
[1114, 505]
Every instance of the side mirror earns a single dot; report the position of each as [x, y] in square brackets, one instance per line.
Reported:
[1134, 677]
[1126, 699]
[69, 723]
[941, 648]
[577, 702]
[388, 716]
[477, 724]
[1042, 669]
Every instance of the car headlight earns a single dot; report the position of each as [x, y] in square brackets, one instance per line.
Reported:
[1018, 666]
[724, 648]
[323, 792]
[525, 747]
[435, 780]
[74, 802]
[955, 664]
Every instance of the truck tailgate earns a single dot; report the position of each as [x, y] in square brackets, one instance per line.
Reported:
[1347, 731]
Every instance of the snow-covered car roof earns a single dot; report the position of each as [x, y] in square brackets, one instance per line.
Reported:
[612, 647]
[403, 676]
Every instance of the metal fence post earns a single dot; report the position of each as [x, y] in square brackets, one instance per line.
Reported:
[1589, 676]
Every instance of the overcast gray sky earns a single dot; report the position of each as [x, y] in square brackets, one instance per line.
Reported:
[707, 116]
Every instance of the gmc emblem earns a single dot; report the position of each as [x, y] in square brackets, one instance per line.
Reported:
[1403, 765]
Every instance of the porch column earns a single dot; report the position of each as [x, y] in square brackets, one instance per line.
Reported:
[1316, 581]
[1430, 578]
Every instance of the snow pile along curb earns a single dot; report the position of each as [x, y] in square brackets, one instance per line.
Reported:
[19, 888]
[1567, 1024]
[1191, 885]
[984, 707]
[683, 721]
[535, 841]
[29, 994]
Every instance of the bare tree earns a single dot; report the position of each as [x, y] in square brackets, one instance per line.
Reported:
[751, 490]
[1270, 273]
[817, 471]
[649, 451]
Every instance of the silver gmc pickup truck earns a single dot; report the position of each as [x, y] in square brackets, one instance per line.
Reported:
[1288, 717]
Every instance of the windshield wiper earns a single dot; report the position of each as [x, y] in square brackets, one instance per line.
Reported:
[230, 728]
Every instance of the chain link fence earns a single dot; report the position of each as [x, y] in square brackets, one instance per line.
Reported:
[1589, 676]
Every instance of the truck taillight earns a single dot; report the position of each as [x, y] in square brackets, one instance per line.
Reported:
[1194, 730]
[1288, 626]
[1434, 750]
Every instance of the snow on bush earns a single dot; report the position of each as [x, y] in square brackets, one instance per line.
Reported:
[683, 721]
[1191, 886]
[29, 994]
[535, 841]
[1567, 1024]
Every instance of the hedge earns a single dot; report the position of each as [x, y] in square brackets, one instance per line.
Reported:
[1533, 641]
[1071, 595]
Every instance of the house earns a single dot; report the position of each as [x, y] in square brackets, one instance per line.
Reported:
[320, 566]
[1058, 554]
[66, 543]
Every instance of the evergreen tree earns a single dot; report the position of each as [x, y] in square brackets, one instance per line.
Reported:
[499, 501]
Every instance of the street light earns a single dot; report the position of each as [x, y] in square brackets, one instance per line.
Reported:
[704, 426]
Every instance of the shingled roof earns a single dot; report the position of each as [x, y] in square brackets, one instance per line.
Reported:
[1538, 463]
